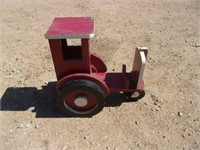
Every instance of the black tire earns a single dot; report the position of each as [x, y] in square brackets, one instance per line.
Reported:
[72, 90]
[128, 94]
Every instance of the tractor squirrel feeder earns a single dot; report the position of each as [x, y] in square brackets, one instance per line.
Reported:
[83, 83]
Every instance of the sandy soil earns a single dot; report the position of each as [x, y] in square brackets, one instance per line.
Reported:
[168, 117]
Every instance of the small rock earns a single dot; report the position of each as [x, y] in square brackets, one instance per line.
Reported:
[157, 109]
[19, 126]
[45, 82]
[36, 126]
[154, 98]
[107, 147]
[180, 113]
[155, 60]
[164, 136]
[113, 69]
[191, 102]
[27, 125]
[64, 148]
[19, 81]
[196, 45]
[85, 137]
[136, 122]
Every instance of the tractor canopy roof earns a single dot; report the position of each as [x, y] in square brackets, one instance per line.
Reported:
[71, 28]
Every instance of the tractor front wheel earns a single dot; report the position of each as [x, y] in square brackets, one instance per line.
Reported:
[134, 95]
[81, 98]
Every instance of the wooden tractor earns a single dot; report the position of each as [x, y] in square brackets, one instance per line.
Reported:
[83, 83]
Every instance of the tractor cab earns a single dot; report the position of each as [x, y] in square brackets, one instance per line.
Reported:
[70, 59]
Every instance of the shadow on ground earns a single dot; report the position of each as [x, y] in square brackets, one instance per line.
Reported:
[43, 101]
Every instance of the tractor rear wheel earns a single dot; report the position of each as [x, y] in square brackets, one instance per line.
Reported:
[81, 98]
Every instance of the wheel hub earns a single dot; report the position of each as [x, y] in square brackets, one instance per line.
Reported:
[135, 95]
[81, 101]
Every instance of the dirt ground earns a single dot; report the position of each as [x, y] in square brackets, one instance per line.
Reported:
[168, 117]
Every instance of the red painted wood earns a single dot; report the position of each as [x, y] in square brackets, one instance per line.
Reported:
[71, 27]
[86, 55]
[65, 67]
[97, 63]
[110, 82]
[76, 62]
